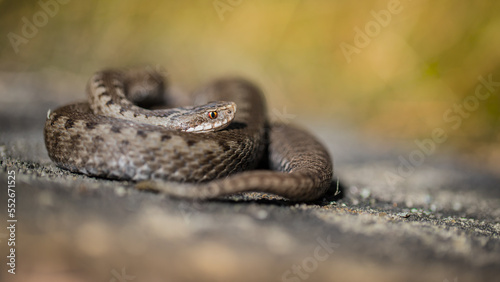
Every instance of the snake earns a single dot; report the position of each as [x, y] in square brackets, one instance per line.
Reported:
[221, 144]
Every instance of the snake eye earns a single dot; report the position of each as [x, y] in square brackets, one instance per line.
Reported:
[212, 115]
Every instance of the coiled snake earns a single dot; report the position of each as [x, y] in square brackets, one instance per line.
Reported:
[199, 152]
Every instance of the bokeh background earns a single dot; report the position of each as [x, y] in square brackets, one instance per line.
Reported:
[393, 88]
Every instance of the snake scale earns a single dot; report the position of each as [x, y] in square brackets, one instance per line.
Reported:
[115, 135]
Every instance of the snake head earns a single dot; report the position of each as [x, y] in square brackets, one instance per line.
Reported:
[209, 117]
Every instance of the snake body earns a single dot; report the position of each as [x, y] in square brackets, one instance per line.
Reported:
[112, 137]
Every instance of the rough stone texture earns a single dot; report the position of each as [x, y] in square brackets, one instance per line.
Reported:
[439, 223]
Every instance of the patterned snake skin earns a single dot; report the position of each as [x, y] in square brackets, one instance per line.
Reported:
[108, 137]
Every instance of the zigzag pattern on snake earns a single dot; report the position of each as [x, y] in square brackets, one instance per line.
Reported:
[109, 137]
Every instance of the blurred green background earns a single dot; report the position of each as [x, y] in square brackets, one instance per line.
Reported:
[394, 83]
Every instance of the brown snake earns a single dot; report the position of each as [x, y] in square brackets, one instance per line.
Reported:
[108, 137]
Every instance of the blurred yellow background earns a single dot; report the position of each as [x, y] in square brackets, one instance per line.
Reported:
[392, 69]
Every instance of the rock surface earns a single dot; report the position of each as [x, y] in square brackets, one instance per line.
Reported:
[438, 220]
